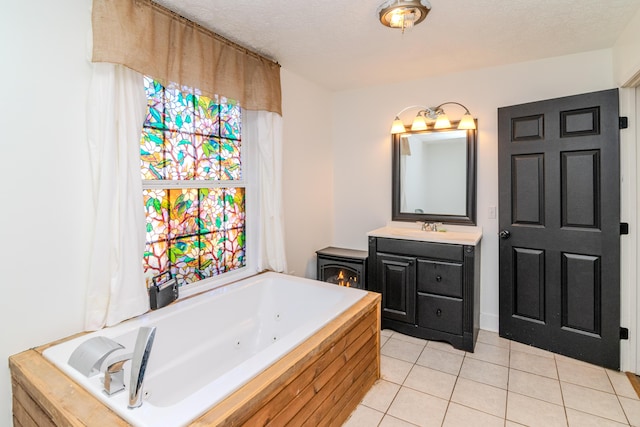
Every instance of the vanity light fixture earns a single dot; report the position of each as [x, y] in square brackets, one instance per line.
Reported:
[432, 113]
[403, 13]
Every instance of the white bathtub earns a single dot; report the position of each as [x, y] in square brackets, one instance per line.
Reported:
[208, 346]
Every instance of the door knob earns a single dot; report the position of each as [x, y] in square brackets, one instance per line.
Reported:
[504, 234]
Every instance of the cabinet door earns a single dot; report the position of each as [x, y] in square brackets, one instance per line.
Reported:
[397, 280]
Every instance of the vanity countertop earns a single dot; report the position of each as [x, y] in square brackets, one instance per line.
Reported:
[454, 235]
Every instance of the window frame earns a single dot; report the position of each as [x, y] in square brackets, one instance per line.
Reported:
[250, 214]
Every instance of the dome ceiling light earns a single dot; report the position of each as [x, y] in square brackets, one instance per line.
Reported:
[403, 13]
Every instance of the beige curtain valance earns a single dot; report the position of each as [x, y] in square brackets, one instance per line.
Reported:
[152, 40]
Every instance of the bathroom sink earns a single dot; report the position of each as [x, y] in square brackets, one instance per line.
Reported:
[455, 237]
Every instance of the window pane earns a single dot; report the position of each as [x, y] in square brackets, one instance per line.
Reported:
[212, 208]
[207, 153]
[179, 108]
[235, 248]
[212, 257]
[229, 119]
[156, 204]
[230, 160]
[234, 208]
[155, 103]
[152, 153]
[207, 110]
[183, 215]
[156, 258]
[184, 255]
[180, 156]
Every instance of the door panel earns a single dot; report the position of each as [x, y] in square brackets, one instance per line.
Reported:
[581, 189]
[527, 128]
[559, 186]
[528, 189]
[528, 283]
[397, 278]
[581, 293]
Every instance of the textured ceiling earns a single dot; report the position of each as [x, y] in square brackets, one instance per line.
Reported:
[340, 44]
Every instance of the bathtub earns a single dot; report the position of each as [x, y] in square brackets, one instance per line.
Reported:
[208, 346]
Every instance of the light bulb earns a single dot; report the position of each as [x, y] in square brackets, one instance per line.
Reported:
[442, 122]
[467, 122]
[397, 126]
[419, 123]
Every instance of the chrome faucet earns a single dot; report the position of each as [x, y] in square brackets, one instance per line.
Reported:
[114, 373]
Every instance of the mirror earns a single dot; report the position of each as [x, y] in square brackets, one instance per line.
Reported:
[434, 176]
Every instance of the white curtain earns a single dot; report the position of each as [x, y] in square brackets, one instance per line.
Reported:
[116, 110]
[263, 130]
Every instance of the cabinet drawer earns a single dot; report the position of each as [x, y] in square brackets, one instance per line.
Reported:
[440, 313]
[445, 251]
[442, 278]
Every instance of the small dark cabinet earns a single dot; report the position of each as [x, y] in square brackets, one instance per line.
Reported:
[429, 290]
[345, 267]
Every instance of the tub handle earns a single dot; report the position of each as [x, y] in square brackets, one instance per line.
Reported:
[114, 374]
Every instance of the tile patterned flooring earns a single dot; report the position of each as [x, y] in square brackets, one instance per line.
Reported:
[503, 383]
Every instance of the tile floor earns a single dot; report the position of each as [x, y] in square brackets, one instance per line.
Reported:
[503, 383]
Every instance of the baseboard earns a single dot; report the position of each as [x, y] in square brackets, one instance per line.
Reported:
[489, 322]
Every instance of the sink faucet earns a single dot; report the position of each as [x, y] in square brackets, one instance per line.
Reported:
[114, 373]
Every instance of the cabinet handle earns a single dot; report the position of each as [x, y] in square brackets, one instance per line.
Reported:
[438, 278]
[438, 312]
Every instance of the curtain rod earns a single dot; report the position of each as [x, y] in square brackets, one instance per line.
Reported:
[175, 15]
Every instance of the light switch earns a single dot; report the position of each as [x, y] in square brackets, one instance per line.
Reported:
[492, 212]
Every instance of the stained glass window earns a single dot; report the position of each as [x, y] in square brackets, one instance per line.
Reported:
[194, 195]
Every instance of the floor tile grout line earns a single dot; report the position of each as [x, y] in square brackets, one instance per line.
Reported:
[622, 407]
[618, 397]
[466, 355]
[506, 401]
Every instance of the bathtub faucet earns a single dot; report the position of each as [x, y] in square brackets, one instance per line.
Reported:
[114, 373]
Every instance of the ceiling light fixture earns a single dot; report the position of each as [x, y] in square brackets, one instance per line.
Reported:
[432, 113]
[403, 13]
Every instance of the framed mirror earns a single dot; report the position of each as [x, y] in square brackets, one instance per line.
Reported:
[434, 176]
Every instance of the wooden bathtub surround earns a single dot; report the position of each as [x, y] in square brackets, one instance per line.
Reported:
[319, 383]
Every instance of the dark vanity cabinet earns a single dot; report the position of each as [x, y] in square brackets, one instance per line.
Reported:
[429, 290]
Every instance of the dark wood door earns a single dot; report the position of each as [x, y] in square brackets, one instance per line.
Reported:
[397, 280]
[559, 184]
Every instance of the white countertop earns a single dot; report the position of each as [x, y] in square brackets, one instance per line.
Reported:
[458, 235]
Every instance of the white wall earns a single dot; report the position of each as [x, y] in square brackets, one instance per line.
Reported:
[626, 68]
[45, 192]
[308, 172]
[362, 144]
[626, 53]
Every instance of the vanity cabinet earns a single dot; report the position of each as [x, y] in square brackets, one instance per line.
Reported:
[429, 290]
